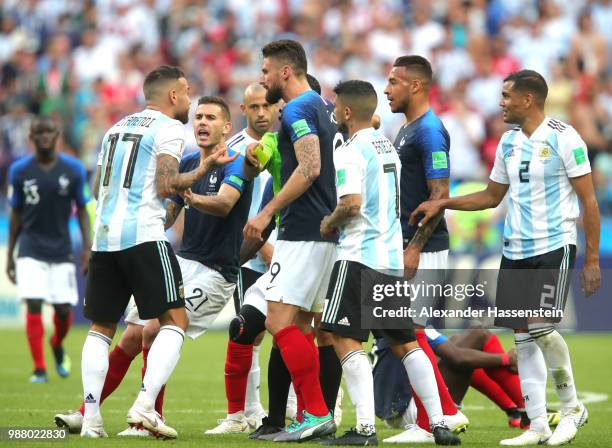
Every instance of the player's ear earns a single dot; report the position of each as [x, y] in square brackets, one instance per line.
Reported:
[242, 108]
[348, 113]
[227, 127]
[172, 96]
[286, 71]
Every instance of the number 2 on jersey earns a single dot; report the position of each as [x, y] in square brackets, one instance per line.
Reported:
[113, 139]
[391, 168]
[524, 171]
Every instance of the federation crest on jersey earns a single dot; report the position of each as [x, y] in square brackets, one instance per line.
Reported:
[64, 184]
[544, 153]
[213, 177]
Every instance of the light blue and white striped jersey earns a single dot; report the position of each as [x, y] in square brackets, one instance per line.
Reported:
[367, 164]
[542, 204]
[129, 210]
[240, 142]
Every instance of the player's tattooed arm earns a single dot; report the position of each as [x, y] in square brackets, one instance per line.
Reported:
[14, 231]
[172, 212]
[490, 197]
[168, 180]
[348, 207]
[308, 154]
[438, 189]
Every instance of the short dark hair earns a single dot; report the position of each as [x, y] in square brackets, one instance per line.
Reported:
[219, 102]
[417, 64]
[360, 96]
[161, 74]
[288, 52]
[313, 83]
[529, 81]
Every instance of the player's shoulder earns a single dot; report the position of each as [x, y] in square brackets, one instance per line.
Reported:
[240, 141]
[20, 165]
[558, 126]
[190, 157]
[307, 100]
[431, 120]
[72, 162]
[565, 132]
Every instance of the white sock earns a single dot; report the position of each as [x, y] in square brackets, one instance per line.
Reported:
[291, 397]
[360, 385]
[557, 358]
[94, 365]
[532, 371]
[252, 402]
[423, 381]
[161, 361]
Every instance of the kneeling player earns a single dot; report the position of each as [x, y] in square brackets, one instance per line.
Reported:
[367, 170]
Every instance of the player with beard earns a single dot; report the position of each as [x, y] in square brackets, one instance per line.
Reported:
[130, 254]
[544, 167]
[369, 253]
[423, 146]
[208, 256]
[294, 290]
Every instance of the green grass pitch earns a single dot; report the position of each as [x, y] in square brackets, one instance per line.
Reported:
[195, 397]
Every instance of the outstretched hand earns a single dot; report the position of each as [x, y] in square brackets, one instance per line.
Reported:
[217, 158]
[428, 209]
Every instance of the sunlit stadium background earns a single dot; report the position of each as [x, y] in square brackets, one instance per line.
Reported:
[83, 62]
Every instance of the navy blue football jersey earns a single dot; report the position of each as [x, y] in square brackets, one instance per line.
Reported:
[423, 147]
[304, 115]
[215, 240]
[46, 198]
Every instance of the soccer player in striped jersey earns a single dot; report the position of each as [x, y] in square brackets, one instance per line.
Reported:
[260, 116]
[367, 216]
[130, 254]
[543, 164]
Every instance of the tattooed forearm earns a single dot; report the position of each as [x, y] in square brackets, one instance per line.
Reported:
[172, 212]
[308, 154]
[347, 208]
[165, 175]
[169, 181]
[438, 189]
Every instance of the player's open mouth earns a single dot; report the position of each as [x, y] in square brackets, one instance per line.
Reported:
[203, 133]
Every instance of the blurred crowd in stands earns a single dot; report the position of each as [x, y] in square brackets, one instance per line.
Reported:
[83, 62]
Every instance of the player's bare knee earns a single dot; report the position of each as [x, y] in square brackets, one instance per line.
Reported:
[176, 317]
[149, 332]
[108, 329]
[131, 339]
[399, 350]
[259, 338]
[324, 338]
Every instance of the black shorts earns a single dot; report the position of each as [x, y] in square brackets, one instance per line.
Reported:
[246, 278]
[536, 284]
[149, 271]
[344, 302]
